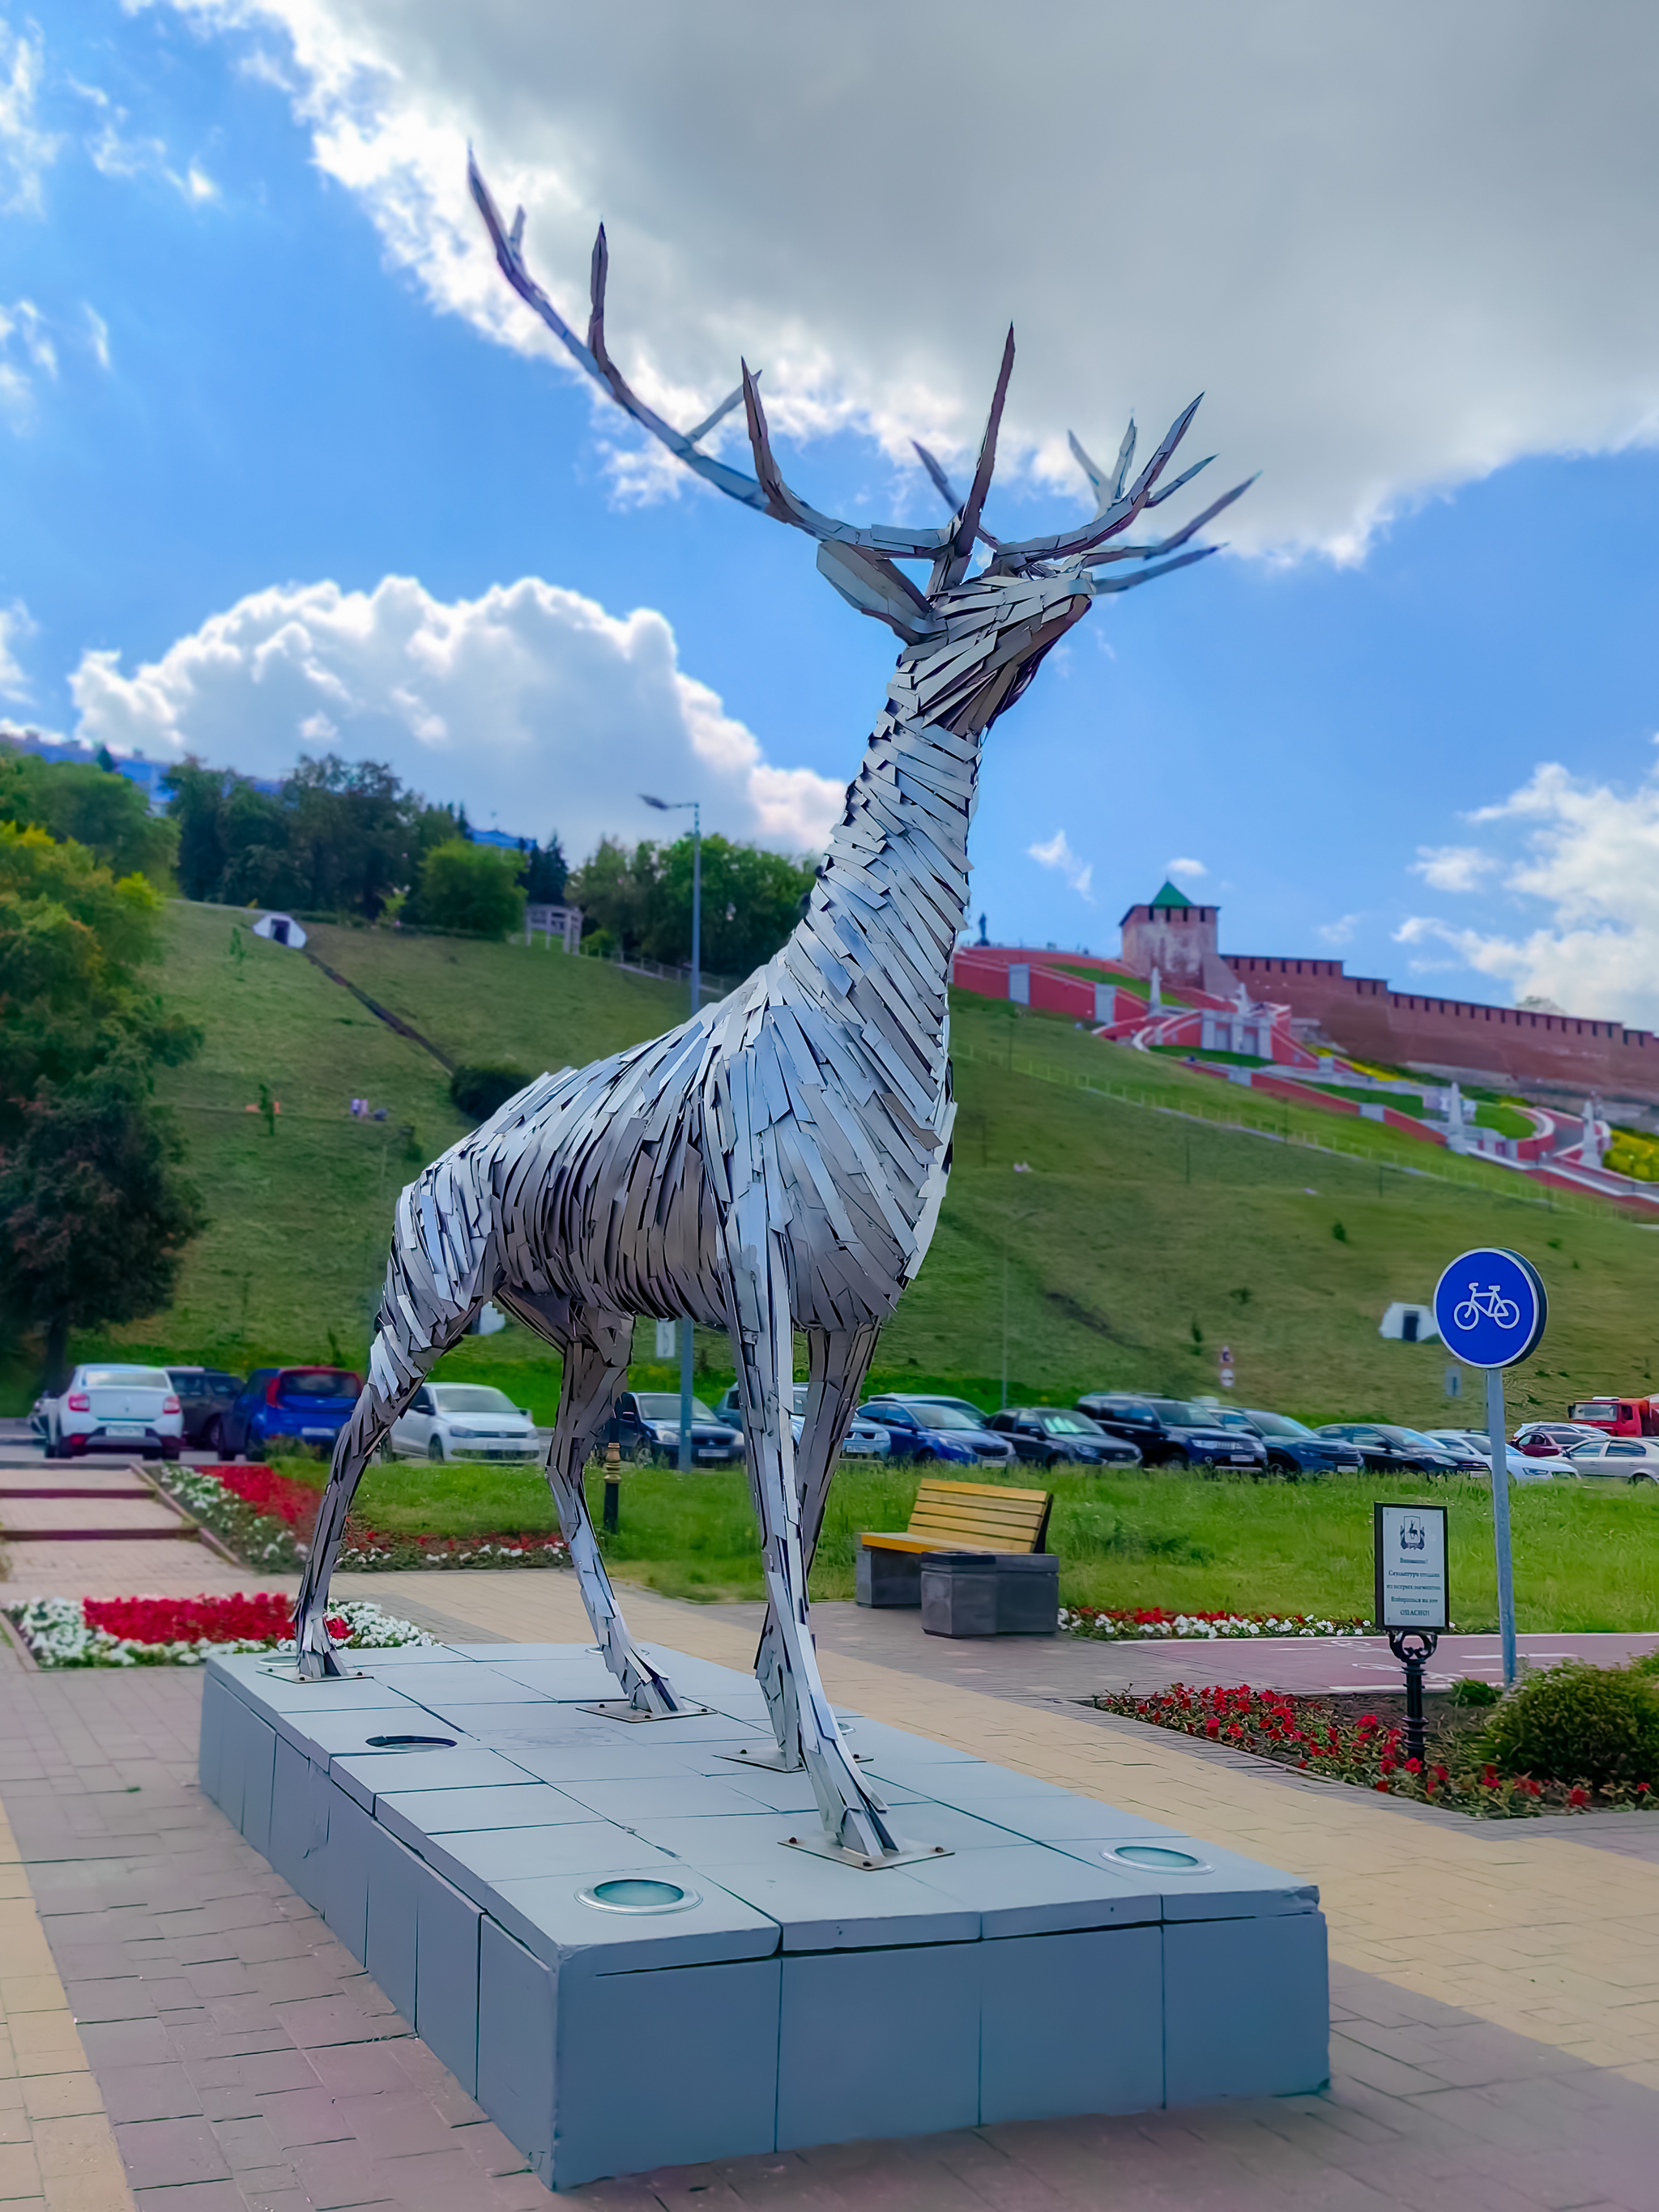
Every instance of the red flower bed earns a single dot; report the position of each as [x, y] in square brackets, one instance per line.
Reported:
[267, 1491]
[1305, 1732]
[188, 1620]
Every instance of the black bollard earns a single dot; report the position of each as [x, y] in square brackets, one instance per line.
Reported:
[610, 1519]
[1413, 1648]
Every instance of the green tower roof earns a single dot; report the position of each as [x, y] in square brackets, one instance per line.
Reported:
[1170, 896]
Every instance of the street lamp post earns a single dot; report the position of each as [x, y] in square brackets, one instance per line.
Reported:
[674, 806]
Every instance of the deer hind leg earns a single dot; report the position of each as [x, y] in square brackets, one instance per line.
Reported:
[758, 1295]
[595, 1369]
[837, 1362]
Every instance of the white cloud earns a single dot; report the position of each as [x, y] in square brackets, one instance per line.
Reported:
[1398, 250]
[1058, 854]
[116, 151]
[97, 334]
[26, 353]
[26, 150]
[1188, 868]
[15, 625]
[532, 704]
[1453, 867]
[1339, 931]
[1590, 856]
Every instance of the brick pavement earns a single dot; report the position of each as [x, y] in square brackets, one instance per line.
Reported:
[1496, 1989]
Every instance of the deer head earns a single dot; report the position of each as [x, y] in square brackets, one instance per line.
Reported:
[860, 561]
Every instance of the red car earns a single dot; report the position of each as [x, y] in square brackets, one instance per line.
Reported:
[1545, 1439]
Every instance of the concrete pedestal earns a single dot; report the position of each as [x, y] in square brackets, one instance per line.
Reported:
[602, 1929]
[1002, 1594]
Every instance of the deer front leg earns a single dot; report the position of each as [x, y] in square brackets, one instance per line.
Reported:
[382, 1403]
[595, 1369]
[837, 1362]
[854, 1818]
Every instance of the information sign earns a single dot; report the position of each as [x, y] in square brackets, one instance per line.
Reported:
[1490, 1307]
[1410, 1550]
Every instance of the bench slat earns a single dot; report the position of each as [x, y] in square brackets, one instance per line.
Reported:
[968, 1516]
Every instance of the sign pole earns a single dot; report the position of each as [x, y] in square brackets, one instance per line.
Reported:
[1491, 1309]
[1497, 1425]
[1414, 1601]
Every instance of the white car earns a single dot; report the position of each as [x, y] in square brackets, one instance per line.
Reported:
[105, 1407]
[1628, 1459]
[1472, 1453]
[450, 1421]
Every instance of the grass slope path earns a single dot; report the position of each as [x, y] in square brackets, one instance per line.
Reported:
[1136, 1246]
[1551, 1939]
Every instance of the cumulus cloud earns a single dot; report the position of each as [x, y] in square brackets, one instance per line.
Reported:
[1339, 931]
[1590, 855]
[1057, 854]
[25, 149]
[1188, 868]
[1400, 252]
[532, 704]
[1452, 868]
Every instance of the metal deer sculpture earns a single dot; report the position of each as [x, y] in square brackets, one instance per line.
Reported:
[778, 1161]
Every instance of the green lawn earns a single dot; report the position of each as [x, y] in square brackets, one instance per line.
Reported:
[1139, 1242]
[1585, 1557]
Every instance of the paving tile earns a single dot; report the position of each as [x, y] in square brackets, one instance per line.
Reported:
[167, 2154]
[150, 2092]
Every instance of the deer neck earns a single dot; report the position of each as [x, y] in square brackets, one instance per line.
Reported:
[891, 897]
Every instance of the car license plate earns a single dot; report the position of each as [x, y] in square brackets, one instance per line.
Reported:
[1240, 1459]
[123, 1428]
[316, 1436]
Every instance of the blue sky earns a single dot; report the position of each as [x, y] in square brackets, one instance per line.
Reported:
[233, 380]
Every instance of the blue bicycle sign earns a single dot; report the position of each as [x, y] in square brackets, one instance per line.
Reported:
[1490, 1307]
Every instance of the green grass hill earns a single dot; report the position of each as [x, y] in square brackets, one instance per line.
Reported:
[1144, 1235]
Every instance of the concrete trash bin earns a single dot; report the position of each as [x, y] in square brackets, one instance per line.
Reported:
[990, 1593]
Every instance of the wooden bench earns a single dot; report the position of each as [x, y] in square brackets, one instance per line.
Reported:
[950, 1516]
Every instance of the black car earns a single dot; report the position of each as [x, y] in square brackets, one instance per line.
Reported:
[1294, 1448]
[648, 1430]
[1173, 1431]
[1387, 1448]
[204, 1395]
[1047, 1437]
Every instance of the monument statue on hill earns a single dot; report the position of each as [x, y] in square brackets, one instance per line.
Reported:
[778, 1161]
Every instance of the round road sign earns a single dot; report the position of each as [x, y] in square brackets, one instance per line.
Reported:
[1490, 1307]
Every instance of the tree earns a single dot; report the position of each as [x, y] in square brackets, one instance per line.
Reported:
[544, 873]
[642, 901]
[73, 941]
[94, 1218]
[472, 888]
[99, 809]
[336, 837]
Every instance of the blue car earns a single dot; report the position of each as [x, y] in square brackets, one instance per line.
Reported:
[924, 1429]
[300, 1407]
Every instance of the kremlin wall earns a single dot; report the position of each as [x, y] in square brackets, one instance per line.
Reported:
[1177, 942]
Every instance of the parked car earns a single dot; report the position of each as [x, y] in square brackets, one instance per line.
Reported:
[864, 1439]
[1473, 1452]
[1387, 1449]
[1293, 1450]
[1173, 1432]
[205, 1395]
[927, 1431]
[1047, 1437]
[1545, 1439]
[107, 1407]
[450, 1421]
[303, 1405]
[648, 1430]
[1628, 1459]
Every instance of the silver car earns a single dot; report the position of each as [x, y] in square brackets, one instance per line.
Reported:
[450, 1421]
[865, 1439]
[1616, 1458]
